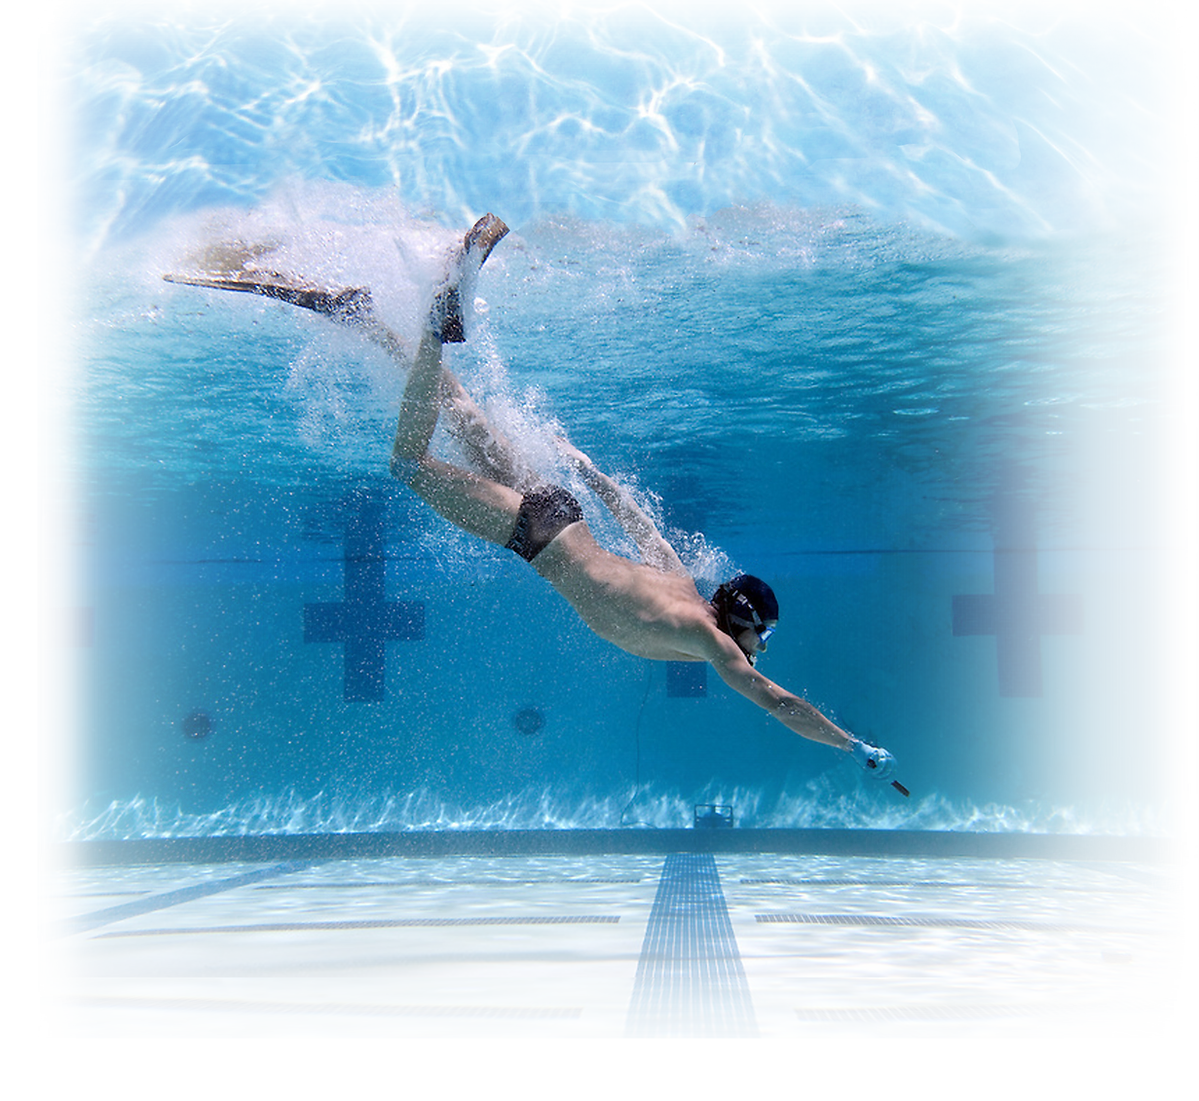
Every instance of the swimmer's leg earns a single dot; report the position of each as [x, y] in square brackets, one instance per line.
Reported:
[483, 506]
[419, 408]
[479, 505]
[476, 504]
[488, 450]
[431, 386]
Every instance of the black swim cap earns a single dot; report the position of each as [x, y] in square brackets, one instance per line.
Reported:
[746, 601]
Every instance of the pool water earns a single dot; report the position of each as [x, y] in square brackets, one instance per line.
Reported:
[872, 309]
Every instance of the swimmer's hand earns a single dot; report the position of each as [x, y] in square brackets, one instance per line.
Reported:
[878, 762]
[573, 455]
[582, 465]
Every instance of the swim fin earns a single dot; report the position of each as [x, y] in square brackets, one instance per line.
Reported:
[445, 317]
[352, 305]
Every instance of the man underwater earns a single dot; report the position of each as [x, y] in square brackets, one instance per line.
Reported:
[649, 608]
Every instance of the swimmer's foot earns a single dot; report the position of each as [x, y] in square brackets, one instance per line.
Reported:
[351, 306]
[445, 317]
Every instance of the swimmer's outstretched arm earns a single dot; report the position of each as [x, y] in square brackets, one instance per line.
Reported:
[794, 713]
[655, 550]
[800, 716]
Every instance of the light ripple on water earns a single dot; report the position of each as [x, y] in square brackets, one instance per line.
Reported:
[820, 805]
[952, 120]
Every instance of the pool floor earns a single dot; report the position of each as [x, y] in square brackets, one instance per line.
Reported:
[682, 945]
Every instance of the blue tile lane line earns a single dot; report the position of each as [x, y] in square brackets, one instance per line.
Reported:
[365, 621]
[690, 981]
[86, 922]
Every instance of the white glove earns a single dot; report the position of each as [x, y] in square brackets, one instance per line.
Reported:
[878, 762]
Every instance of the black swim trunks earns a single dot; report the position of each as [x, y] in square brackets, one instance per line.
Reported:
[543, 514]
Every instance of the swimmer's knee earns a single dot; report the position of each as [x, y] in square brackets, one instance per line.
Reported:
[404, 469]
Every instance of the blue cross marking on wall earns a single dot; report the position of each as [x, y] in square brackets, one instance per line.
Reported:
[56, 627]
[365, 621]
[1018, 614]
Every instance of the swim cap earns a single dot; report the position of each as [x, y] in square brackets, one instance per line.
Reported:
[746, 603]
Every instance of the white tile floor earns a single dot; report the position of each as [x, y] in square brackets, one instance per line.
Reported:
[549, 947]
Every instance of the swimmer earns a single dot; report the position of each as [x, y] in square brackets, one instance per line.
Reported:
[650, 608]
